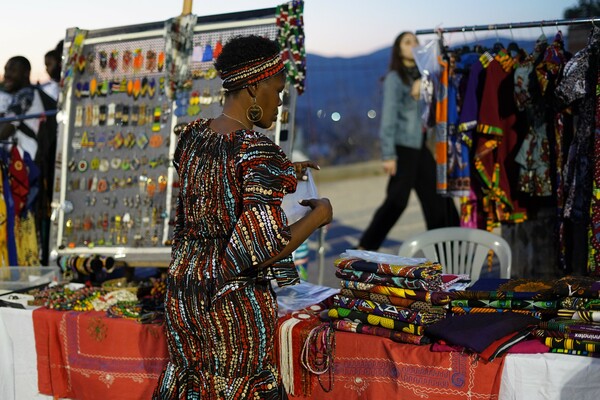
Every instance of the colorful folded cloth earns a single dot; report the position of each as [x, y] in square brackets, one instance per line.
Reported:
[575, 352]
[415, 305]
[359, 327]
[570, 325]
[580, 303]
[375, 320]
[512, 304]
[572, 344]
[587, 316]
[436, 298]
[486, 310]
[492, 295]
[426, 270]
[433, 283]
[575, 287]
[544, 333]
[387, 310]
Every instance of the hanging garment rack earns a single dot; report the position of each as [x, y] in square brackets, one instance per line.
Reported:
[516, 25]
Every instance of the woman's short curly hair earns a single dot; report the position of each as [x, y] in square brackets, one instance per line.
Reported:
[242, 49]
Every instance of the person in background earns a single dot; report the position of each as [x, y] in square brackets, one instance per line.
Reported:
[25, 100]
[35, 136]
[231, 237]
[406, 158]
[52, 60]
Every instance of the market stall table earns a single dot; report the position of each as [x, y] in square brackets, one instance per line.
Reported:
[90, 356]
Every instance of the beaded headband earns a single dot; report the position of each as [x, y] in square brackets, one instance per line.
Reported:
[251, 72]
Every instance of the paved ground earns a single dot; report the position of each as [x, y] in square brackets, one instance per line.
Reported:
[355, 193]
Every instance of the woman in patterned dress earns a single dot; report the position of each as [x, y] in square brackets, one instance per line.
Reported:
[231, 237]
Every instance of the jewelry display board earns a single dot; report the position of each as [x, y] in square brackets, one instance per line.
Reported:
[115, 190]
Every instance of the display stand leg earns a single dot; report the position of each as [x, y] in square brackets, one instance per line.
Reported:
[321, 252]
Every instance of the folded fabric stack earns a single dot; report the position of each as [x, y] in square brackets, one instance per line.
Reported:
[576, 329]
[494, 315]
[391, 299]
[477, 302]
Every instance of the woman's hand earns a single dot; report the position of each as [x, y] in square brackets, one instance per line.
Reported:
[321, 208]
[415, 90]
[301, 166]
[389, 166]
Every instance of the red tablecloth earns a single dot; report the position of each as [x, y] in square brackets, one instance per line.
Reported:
[90, 356]
[370, 367]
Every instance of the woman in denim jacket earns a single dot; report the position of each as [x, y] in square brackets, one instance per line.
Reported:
[406, 159]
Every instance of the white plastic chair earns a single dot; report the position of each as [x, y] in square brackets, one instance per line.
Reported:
[460, 250]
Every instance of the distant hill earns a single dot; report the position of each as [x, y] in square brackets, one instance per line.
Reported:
[351, 87]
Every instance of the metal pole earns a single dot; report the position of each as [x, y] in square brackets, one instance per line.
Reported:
[29, 116]
[515, 25]
[187, 7]
[321, 252]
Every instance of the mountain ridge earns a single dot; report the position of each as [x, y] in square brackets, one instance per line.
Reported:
[351, 87]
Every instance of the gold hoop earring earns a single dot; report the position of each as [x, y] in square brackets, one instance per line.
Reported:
[254, 113]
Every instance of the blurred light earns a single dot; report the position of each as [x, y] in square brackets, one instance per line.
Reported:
[336, 116]
[371, 114]
[320, 114]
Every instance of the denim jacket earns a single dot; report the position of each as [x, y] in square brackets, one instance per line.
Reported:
[400, 120]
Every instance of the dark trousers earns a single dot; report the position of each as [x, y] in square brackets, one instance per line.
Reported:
[416, 169]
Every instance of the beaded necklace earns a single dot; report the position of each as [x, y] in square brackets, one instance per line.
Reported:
[318, 353]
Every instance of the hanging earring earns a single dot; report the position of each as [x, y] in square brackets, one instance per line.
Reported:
[254, 113]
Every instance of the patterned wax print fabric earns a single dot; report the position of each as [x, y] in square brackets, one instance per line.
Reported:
[459, 173]
[534, 154]
[437, 298]
[460, 310]
[426, 270]
[220, 311]
[441, 129]
[26, 101]
[593, 264]
[576, 89]
[499, 127]
[358, 327]
[434, 284]
[512, 304]
[387, 310]
[375, 320]
[414, 305]
[470, 207]
[4, 260]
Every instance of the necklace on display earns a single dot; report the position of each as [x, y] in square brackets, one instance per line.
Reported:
[236, 120]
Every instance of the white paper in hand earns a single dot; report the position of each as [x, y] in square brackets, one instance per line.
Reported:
[304, 190]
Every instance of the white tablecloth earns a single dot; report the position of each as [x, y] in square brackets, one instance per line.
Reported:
[550, 376]
[18, 360]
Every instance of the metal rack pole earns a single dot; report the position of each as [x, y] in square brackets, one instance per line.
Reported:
[321, 254]
[29, 116]
[515, 25]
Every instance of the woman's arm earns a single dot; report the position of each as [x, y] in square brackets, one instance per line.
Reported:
[320, 215]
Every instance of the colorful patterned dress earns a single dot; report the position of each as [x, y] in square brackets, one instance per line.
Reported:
[221, 313]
